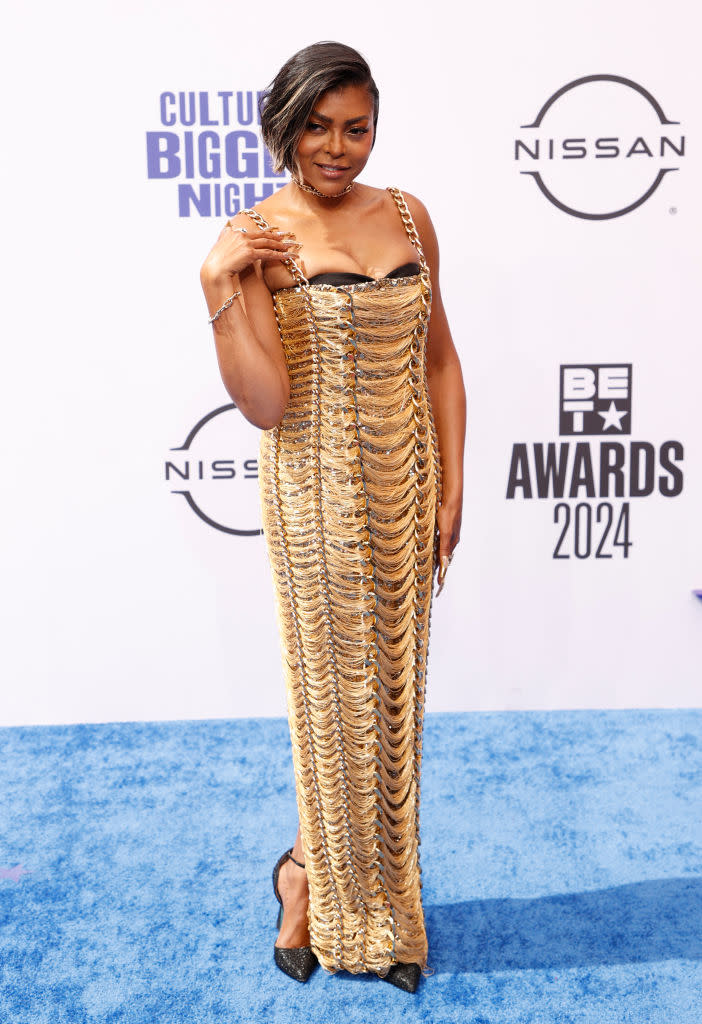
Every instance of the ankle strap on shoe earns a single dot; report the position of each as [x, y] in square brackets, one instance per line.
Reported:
[290, 856]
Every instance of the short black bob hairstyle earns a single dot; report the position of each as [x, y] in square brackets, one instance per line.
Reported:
[290, 99]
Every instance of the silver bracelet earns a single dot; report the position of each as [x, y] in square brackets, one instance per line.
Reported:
[227, 304]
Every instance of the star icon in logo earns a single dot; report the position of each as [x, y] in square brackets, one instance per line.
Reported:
[612, 417]
[15, 873]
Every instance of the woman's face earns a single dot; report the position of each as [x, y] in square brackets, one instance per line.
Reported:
[337, 141]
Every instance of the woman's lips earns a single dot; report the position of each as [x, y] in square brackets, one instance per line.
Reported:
[331, 171]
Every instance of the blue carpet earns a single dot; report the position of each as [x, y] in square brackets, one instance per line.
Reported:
[562, 861]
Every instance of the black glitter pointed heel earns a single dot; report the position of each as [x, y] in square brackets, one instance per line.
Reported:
[297, 962]
[404, 976]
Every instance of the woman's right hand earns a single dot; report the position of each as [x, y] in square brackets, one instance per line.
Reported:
[237, 247]
[246, 335]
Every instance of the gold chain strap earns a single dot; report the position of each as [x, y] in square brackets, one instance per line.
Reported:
[410, 228]
[290, 261]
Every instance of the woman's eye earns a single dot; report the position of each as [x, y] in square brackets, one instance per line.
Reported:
[359, 131]
[313, 126]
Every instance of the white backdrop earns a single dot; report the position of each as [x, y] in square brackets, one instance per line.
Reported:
[119, 602]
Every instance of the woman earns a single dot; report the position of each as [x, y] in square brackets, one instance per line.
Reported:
[328, 349]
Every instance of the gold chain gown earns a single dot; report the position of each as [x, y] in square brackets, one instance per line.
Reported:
[349, 486]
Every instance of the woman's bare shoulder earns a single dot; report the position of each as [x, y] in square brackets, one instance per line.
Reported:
[420, 214]
[424, 226]
[371, 192]
[278, 202]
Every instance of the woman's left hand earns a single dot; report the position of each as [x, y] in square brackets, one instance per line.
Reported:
[448, 521]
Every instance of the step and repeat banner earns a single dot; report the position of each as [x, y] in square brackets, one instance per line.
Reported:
[558, 154]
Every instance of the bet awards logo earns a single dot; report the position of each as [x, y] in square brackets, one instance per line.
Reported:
[595, 401]
[216, 472]
[599, 147]
[591, 392]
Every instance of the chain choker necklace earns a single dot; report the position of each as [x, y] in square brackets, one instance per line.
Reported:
[322, 195]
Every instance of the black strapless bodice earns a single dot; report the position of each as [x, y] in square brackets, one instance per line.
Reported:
[340, 277]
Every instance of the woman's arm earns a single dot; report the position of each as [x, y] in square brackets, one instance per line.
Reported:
[249, 351]
[446, 390]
